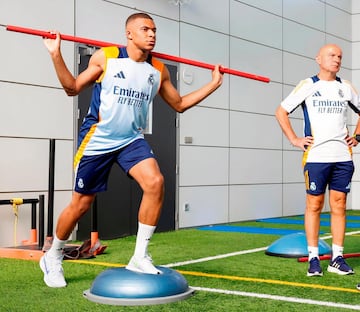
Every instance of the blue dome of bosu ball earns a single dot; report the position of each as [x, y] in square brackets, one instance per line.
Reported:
[119, 286]
[294, 246]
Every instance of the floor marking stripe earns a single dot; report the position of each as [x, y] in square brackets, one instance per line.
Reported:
[238, 278]
[231, 277]
[280, 298]
[267, 281]
[242, 252]
[237, 253]
[346, 234]
[106, 264]
[231, 254]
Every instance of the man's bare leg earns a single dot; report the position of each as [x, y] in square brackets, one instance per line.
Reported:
[51, 262]
[150, 179]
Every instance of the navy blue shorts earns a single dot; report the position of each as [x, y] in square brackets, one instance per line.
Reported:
[93, 171]
[336, 175]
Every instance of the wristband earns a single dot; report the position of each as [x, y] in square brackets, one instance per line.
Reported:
[356, 137]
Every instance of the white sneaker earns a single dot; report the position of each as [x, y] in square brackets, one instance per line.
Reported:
[53, 271]
[142, 265]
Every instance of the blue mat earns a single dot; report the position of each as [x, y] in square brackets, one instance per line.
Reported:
[249, 229]
[277, 231]
[350, 218]
[294, 221]
[322, 216]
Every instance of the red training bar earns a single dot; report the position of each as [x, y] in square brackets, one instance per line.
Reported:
[168, 57]
[328, 257]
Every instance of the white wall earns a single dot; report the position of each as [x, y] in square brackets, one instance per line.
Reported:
[239, 166]
[278, 39]
[34, 109]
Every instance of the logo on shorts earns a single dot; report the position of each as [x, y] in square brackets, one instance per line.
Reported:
[80, 183]
[313, 186]
[348, 186]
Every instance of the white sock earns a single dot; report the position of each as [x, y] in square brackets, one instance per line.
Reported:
[57, 246]
[143, 237]
[337, 251]
[313, 252]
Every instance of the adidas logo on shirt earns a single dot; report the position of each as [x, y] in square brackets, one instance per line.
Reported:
[317, 93]
[120, 75]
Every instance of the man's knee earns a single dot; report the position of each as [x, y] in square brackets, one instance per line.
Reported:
[158, 182]
[155, 183]
[81, 203]
[314, 203]
[338, 201]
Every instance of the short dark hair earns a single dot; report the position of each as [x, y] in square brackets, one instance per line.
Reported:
[137, 15]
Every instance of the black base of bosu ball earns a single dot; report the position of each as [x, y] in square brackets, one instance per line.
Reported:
[119, 286]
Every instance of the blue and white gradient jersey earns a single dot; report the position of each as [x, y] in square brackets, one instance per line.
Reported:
[120, 101]
[325, 106]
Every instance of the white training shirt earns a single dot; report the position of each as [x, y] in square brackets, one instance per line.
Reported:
[120, 102]
[325, 105]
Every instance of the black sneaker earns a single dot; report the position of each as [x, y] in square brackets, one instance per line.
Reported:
[339, 266]
[314, 267]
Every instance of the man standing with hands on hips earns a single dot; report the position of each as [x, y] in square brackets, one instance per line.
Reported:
[327, 144]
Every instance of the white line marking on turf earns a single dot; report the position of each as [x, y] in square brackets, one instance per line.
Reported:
[241, 252]
[347, 233]
[257, 295]
[280, 298]
[236, 253]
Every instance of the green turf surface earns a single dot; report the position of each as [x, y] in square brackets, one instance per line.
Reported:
[22, 287]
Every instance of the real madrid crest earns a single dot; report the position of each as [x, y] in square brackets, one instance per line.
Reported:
[151, 79]
[341, 93]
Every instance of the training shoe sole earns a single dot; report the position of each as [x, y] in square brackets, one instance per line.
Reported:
[146, 268]
[314, 274]
[136, 269]
[337, 271]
